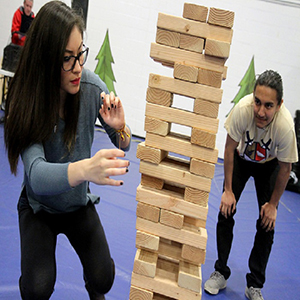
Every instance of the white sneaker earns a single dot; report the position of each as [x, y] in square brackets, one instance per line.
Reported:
[215, 283]
[253, 293]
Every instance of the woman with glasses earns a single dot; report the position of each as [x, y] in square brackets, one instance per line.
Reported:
[52, 107]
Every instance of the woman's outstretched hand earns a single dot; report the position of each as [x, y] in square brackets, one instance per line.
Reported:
[99, 168]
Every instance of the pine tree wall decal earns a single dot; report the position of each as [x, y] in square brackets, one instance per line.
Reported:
[104, 66]
[246, 84]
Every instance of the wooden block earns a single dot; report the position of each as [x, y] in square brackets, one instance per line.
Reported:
[170, 170]
[182, 117]
[171, 219]
[189, 276]
[139, 294]
[145, 263]
[209, 77]
[171, 201]
[206, 108]
[185, 72]
[202, 168]
[165, 283]
[196, 196]
[191, 43]
[221, 17]
[147, 241]
[167, 37]
[217, 48]
[194, 254]
[195, 222]
[152, 182]
[189, 235]
[195, 12]
[169, 56]
[184, 88]
[148, 212]
[181, 145]
[203, 138]
[161, 97]
[150, 154]
[157, 126]
[203, 30]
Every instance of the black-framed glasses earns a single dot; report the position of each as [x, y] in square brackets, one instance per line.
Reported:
[70, 61]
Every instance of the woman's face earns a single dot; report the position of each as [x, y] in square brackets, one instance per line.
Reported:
[70, 80]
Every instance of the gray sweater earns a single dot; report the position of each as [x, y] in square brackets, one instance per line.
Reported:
[46, 165]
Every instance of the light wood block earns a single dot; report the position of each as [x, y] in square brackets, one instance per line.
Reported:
[171, 201]
[145, 263]
[195, 12]
[150, 154]
[171, 219]
[182, 117]
[184, 88]
[157, 126]
[221, 17]
[203, 138]
[139, 294]
[148, 212]
[191, 43]
[152, 182]
[194, 254]
[147, 241]
[165, 283]
[189, 235]
[189, 276]
[194, 28]
[169, 56]
[217, 48]
[194, 222]
[206, 108]
[181, 145]
[170, 170]
[167, 37]
[185, 72]
[209, 77]
[161, 97]
[202, 168]
[196, 196]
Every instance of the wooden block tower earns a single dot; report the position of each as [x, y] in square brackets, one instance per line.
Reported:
[176, 169]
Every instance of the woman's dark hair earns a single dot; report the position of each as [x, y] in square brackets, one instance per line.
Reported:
[32, 108]
[273, 80]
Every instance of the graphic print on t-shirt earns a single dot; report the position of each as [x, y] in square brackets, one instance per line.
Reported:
[256, 151]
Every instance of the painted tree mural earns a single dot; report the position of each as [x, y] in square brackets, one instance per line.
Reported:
[246, 84]
[104, 66]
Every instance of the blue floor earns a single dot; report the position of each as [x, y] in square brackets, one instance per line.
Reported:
[117, 211]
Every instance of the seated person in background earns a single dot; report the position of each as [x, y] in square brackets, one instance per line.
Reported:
[21, 21]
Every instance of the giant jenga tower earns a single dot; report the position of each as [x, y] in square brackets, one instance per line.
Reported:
[176, 170]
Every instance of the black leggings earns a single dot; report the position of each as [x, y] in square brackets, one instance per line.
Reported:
[38, 234]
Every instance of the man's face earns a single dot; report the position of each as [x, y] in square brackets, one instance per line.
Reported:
[28, 7]
[265, 105]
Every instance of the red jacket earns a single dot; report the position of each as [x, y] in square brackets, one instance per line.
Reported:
[20, 23]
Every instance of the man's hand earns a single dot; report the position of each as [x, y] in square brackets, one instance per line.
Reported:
[228, 204]
[268, 214]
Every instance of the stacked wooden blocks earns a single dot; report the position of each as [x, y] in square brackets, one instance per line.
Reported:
[176, 169]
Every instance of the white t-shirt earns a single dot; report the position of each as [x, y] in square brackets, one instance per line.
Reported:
[258, 145]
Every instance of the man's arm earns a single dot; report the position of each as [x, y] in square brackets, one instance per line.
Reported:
[268, 211]
[228, 201]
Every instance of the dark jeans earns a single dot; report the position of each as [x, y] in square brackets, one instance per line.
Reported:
[38, 242]
[264, 178]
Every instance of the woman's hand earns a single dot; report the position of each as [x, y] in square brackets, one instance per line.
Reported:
[99, 168]
[112, 111]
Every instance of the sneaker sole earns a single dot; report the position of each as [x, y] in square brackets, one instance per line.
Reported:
[213, 291]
